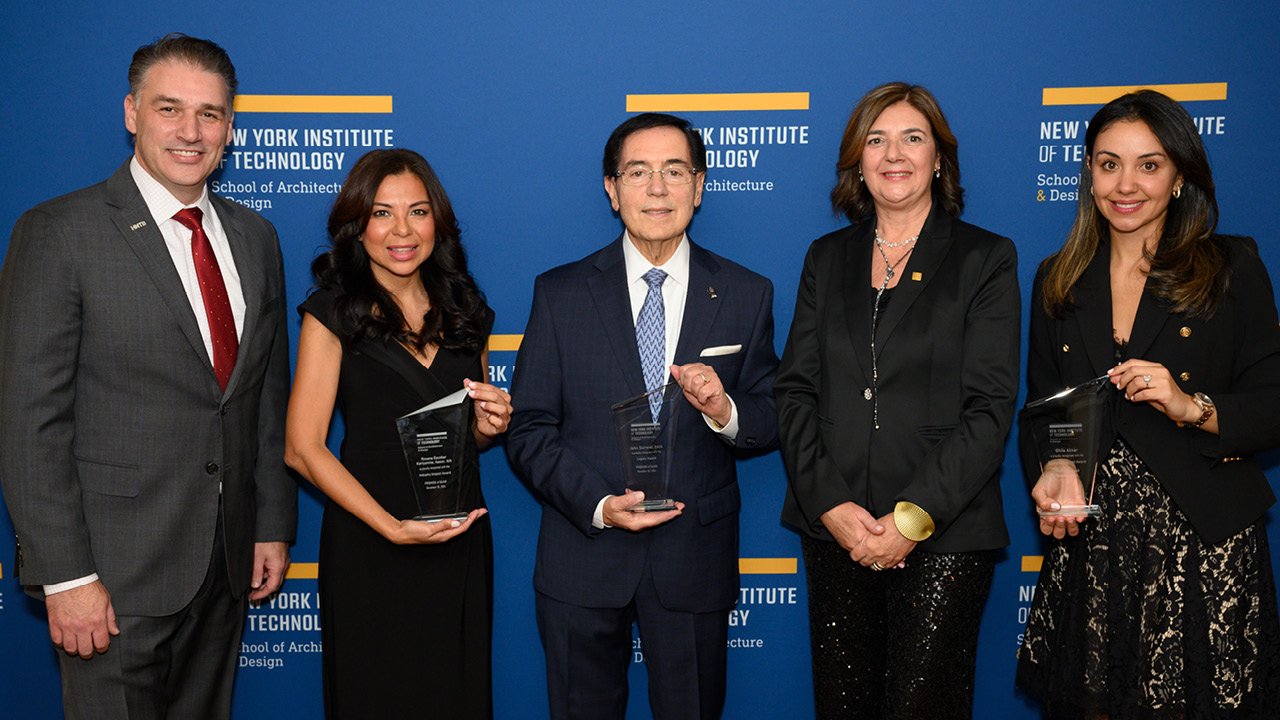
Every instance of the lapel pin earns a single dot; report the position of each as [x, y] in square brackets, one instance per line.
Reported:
[137, 225]
[712, 292]
[917, 276]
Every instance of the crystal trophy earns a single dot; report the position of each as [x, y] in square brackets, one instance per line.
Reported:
[647, 443]
[434, 440]
[1065, 429]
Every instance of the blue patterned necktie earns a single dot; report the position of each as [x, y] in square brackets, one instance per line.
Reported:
[651, 338]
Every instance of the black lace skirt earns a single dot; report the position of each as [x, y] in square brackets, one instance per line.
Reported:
[1137, 618]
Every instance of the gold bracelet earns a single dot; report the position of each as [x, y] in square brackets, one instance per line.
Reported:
[912, 521]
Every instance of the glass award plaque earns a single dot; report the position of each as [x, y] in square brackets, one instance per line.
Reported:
[1065, 429]
[434, 440]
[646, 431]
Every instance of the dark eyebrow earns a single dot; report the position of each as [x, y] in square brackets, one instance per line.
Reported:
[420, 202]
[1146, 155]
[904, 132]
[166, 100]
[672, 161]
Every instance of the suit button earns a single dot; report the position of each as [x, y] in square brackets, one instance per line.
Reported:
[866, 394]
[1185, 331]
[211, 468]
[751, 442]
[1066, 347]
[222, 410]
[1184, 376]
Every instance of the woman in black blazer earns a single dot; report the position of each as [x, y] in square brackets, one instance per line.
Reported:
[893, 417]
[1165, 605]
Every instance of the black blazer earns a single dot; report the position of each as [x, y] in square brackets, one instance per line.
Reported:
[1233, 357]
[947, 355]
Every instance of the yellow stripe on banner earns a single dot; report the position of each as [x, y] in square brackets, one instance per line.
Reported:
[712, 102]
[767, 566]
[303, 571]
[314, 103]
[504, 342]
[1031, 563]
[746, 566]
[1187, 92]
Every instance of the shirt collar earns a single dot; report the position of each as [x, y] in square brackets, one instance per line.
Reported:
[162, 204]
[676, 266]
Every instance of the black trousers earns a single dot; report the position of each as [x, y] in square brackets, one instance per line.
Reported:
[898, 644]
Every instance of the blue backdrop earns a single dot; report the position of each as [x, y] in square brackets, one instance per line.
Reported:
[488, 91]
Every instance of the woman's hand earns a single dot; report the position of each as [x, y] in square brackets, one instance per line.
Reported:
[850, 523]
[1059, 486]
[493, 408]
[1152, 383]
[888, 550]
[421, 532]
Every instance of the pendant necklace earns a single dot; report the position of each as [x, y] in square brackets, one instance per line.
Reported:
[881, 244]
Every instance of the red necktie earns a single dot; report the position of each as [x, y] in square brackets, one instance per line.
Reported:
[222, 324]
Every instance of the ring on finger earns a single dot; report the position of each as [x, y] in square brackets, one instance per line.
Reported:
[1147, 379]
[877, 566]
[704, 378]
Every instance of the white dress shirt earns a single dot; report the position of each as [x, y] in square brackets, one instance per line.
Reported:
[674, 291]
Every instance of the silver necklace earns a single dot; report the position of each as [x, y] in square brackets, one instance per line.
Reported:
[881, 244]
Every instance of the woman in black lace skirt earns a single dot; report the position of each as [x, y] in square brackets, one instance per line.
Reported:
[1165, 606]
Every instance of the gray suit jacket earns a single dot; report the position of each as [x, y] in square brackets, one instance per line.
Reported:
[114, 435]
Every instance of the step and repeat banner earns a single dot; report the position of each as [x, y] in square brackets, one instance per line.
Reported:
[512, 103]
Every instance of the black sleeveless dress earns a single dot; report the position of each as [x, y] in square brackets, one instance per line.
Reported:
[406, 630]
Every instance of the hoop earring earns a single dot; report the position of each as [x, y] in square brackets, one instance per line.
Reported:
[1177, 192]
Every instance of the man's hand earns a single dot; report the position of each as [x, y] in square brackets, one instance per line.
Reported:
[270, 561]
[82, 620]
[616, 515]
[704, 391]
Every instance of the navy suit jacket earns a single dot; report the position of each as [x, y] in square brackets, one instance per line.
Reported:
[578, 358]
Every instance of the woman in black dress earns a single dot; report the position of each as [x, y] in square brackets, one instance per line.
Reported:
[1165, 606]
[396, 322]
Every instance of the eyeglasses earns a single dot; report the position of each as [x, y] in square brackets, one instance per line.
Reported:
[673, 174]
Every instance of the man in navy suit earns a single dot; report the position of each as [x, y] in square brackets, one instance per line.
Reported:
[604, 329]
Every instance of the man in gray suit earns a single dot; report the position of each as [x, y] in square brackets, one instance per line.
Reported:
[143, 382]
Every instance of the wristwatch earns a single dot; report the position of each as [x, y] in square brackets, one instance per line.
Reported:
[1206, 406]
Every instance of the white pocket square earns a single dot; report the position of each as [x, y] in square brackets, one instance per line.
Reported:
[720, 350]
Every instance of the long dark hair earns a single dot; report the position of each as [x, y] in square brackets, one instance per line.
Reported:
[850, 195]
[455, 320]
[1189, 266]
